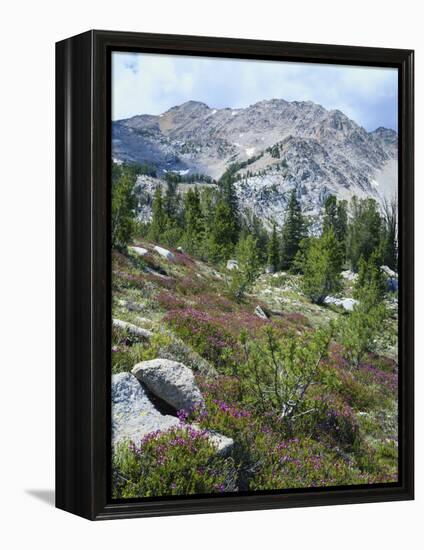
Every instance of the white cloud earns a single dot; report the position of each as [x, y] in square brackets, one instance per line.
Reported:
[152, 83]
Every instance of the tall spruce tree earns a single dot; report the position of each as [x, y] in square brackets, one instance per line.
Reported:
[322, 266]
[370, 276]
[335, 217]
[243, 278]
[123, 206]
[364, 231]
[389, 234]
[274, 250]
[193, 222]
[159, 218]
[293, 231]
[220, 240]
[229, 196]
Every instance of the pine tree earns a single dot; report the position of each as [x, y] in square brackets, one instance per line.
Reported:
[335, 217]
[123, 207]
[193, 222]
[293, 231]
[229, 196]
[242, 279]
[389, 234]
[159, 218]
[364, 231]
[321, 270]
[273, 250]
[370, 276]
[220, 241]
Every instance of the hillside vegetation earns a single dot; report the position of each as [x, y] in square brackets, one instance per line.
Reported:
[291, 336]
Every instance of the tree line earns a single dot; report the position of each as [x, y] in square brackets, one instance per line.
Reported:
[208, 224]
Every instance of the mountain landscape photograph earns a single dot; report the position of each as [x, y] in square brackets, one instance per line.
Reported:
[254, 233]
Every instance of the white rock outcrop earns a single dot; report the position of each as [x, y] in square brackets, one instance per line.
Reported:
[132, 329]
[259, 312]
[346, 303]
[171, 381]
[349, 275]
[232, 264]
[139, 250]
[167, 254]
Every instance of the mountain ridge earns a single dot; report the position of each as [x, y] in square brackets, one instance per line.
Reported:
[274, 144]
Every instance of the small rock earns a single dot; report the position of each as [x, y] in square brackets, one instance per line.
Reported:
[389, 272]
[132, 329]
[392, 284]
[144, 321]
[167, 254]
[131, 306]
[180, 249]
[259, 312]
[139, 250]
[171, 381]
[232, 264]
[156, 273]
[349, 275]
[223, 444]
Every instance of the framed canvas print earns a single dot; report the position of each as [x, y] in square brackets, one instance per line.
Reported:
[234, 274]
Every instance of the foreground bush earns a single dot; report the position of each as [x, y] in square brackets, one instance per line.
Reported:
[206, 336]
[278, 370]
[181, 461]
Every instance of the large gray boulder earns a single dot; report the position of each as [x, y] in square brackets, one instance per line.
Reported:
[171, 381]
[133, 414]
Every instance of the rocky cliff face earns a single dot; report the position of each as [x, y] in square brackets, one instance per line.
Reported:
[278, 145]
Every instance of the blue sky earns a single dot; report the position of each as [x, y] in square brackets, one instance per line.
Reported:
[152, 83]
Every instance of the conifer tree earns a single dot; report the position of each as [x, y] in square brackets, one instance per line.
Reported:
[370, 276]
[242, 278]
[335, 217]
[229, 196]
[193, 222]
[364, 231]
[220, 241]
[321, 270]
[389, 234]
[273, 250]
[123, 207]
[293, 232]
[159, 217]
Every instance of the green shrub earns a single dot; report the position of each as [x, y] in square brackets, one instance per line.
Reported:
[278, 370]
[181, 461]
[359, 330]
[298, 463]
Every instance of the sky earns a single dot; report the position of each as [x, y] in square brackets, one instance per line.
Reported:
[153, 83]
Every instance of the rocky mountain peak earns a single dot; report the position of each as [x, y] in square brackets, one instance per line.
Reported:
[277, 145]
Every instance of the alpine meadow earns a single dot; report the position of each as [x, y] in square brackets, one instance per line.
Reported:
[254, 276]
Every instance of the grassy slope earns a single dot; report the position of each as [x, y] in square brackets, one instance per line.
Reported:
[165, 296]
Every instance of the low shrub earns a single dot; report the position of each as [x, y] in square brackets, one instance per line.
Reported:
[181, 461]
[205, 335]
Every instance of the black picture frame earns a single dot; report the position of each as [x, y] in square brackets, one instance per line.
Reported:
[83, 271]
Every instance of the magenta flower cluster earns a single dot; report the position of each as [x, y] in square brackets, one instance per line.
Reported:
[231, 409]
